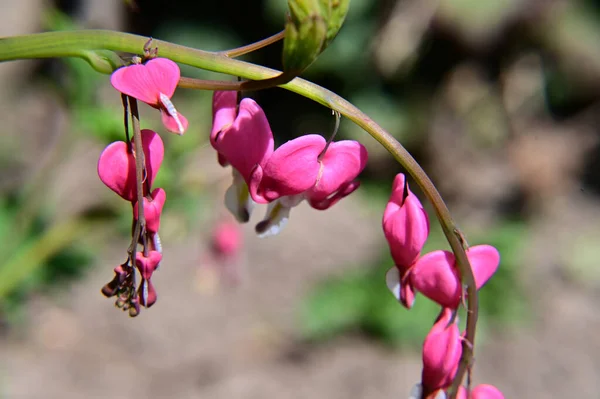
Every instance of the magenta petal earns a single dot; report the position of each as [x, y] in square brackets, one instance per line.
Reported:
[342, 163]
[405, 224]
[486, 391]
[116, 166]
[345, 190]
[442, 350]
[154, 152]
[484, 260]
[248, 142]
[147, 293]
[171, 124]
[147, 264]
[152, 209]
[224, 109]
[146, 81]
[116, 169]
[292, 169]
[434, 275]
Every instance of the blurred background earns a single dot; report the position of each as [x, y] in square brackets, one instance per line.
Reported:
[499, 102]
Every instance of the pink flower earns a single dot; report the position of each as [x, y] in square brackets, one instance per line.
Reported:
[116, 166]
[152, 209]
[146, 266]
[405, 224]
[435, 274]
[153, 83]
[297, 171]
[227, 240]
[244, 140]
[482, 391]
[442, 350]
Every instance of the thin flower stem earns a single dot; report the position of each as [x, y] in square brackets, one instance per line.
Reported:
[338, 117]
[126, 121]
[81, 43]
[236, 52]
[140, 162]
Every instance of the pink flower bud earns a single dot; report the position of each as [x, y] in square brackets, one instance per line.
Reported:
[153, 83]
[405, 224]
[435, 274]
[116, 166]
[442, 350]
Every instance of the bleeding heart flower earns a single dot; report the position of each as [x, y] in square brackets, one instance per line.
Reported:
[152, 209]
[405, 224]
[435, 274]
[146, 266]
[153, 83]
[297, 170]
[116, 166]
[244, 140]
[442, 350]
[227, 240]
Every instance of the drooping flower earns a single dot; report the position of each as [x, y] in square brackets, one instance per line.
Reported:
[299, 171]
[154, 83]
[435, 274]
[226, 240]
[244, 140]
[146, 265]
[116, 166]
[406, 228]
[442, 350]
[405, 224]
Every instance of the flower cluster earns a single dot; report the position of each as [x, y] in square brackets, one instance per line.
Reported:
[306, 168]
[435, 275]
[154, 83]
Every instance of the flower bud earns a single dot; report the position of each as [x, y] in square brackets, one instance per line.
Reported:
[442, 350]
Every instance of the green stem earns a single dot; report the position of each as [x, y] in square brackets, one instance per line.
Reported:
[80, 43]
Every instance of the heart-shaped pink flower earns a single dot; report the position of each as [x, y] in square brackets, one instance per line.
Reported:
[116, 166]
[153, 83]
[295, 168]
[436, 277]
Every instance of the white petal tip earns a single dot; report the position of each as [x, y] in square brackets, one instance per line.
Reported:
[392, 280]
